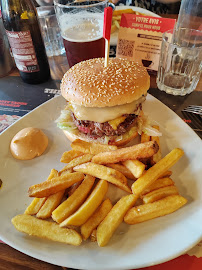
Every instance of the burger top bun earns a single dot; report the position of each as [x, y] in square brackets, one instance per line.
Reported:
[90, 84]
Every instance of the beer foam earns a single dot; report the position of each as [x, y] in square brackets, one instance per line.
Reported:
[82, 27]
[81, 40]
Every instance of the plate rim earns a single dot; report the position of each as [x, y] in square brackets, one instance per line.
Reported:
[138, 9]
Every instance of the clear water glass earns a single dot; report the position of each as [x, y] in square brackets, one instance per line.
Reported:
[190, 14]
[180, 62]
[50, 31]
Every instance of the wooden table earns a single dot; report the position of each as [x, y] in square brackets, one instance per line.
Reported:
[12, 259]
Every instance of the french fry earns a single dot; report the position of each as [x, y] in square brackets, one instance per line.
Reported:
[35, 206]
[98, 216]
[135, 166]
[69, 155]
[157, 156]
[127, 137]
[166, 174]
[37, 203]
[77, 161]
[50, 204]
[119, 167]
[65, 171]
[138, 151]
[52, 174]
[91, 148]
[61, 173]
[156, 171]
[93, 236]
[159, 194]
[46, 229]
[145, 137]
[71, 204]
[159, 183]
[156, 209]
[117, 24]
[113, 28]
[116, 18]
[106, 173]
[88, 207]
[55, 185]
[120, 12]
[73, 188]
[111, 222]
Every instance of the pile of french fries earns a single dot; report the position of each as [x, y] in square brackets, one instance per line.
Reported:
[72, 205]
[116, 18]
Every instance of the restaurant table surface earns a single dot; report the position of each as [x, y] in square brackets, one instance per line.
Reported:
[13, 88]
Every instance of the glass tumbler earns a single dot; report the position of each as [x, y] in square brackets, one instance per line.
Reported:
[190, 14]
[180, 61]
[50, 31]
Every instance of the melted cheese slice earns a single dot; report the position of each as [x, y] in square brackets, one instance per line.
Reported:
[114, 123]
[104, 114]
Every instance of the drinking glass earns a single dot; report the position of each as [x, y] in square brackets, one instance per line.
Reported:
[81, 25]
[50, 31]
[190, 14]
[180, 62]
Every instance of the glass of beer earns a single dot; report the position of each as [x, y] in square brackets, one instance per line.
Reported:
[81, 25]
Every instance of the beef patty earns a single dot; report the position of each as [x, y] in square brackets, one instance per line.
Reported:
[96, 129]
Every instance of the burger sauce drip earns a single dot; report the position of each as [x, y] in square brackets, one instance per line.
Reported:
[28, 143]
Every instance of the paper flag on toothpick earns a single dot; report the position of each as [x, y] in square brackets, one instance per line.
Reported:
[107, 31]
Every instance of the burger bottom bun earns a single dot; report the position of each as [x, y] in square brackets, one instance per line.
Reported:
[119, 141]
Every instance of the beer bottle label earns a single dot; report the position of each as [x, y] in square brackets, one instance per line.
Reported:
[23, 51]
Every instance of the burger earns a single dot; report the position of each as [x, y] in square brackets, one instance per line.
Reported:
[104, 104]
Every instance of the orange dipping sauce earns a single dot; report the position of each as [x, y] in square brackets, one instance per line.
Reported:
[28, 143]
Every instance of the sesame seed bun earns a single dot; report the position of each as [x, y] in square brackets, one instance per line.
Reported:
[90, 84]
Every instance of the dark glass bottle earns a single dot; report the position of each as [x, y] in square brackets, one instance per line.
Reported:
[23, 31]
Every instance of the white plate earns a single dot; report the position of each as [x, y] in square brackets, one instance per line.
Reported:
[137, 246]
[114, 36]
